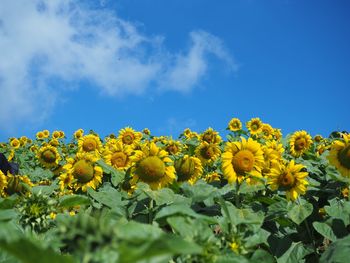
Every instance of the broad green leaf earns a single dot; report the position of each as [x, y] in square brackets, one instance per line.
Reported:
[74, 200]
[261, 256]
[117, 176]
[134, 231]
[7, 214]
[107, 196]
[337, 252]
[295, 253]
[300, 212]
[45, 189]
[28, 252]
[339, 209]
[325, 230]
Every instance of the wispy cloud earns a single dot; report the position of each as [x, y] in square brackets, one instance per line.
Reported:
[45, 42]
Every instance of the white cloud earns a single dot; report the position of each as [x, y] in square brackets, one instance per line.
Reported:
[43, 42]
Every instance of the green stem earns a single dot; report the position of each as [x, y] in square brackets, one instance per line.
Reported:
[237, 201]
[150, 211]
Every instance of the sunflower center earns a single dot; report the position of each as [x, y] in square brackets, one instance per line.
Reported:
[128, 138]
[151, 169]
[184, 169]
[255, 126]
[287, 180]
[48, 156]
[344, 157]
[300, 144]
[208, 137]
[83, 171]
[119, 159]
[207, 152]
[89, 145]
[243, 161]
[172, 149]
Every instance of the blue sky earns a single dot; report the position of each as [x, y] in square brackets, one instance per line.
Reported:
[168, 65]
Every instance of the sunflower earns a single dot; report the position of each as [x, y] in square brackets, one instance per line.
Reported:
[84, 170]
[212, 177]
[117, 155]
[48, 156]
[190, 134]
[17, 184]
[254, 126]
[266, 131]
[277, 134]
[188, 168]
[272, 153]
[3, 183]
[146, 131]
[173, 147]
[235, 125]
[339, 155]
[23, 140]
[210, 136]
[90, 143]
[56, 135]
[153, 166]
[40, 135]
[288, 177]
[241, 159]
[299, 143]
[207, 152]
[15, 143]
[129, 137]
[78, 133]
[46, 133]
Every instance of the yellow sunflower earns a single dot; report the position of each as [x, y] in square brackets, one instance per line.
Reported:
[272, 153]
[40, 135]
[266, 131]
[190, 134]
[212, 177]
[146, 131]
[90, 143]
[118, 155]
[299, 143]
[339, 155]
[289, 178]
[173, 147]
[48, 156]
[15, 184]
[78, 133]
[207, 152]
[189, 169]
[3, 183]
[56, 134]
[46, 133]
[277, 134]
[129, 137]
[84, 170]
[254, 126]
[235, 125]
[15, 143]
[23, 140]
[210, 136]
[153, 166]
[241, 159]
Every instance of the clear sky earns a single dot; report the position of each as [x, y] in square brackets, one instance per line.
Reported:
[168, 65]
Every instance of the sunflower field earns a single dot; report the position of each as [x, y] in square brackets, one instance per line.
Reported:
[132, 197]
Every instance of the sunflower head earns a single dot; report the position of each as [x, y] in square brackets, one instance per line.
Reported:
[241, 159]
[235, 125]
[48, 156]
[266, 131]
[129, 137]
[210, 136]
[299, 143]
[90, 143]
[78, 133]
[339, 155]
[15, 143]
[254, 126]
[207, 152]
[56, 134]
[172, 147]
[188, 168]
[152, 166]
[290, 178]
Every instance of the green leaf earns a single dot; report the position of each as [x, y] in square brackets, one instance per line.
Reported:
[28, 252]
[295, 253]
[74, 200]
[337, 252]
[107, 196]
[325, 230]
[300, 212]
[117, 176]
[134, 231]
[260, 256]
[7, 214]
[165, 196]
[45, 189]
[339, 209]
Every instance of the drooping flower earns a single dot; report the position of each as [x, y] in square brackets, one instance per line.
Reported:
[207, 152]
[339, 155]
[288, 177]
[188, 168]
[299, 143]
[241, 159]
[153, 166]
[210, 136]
